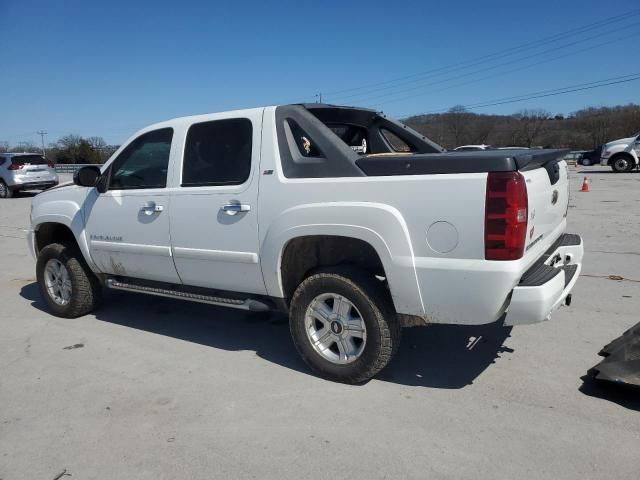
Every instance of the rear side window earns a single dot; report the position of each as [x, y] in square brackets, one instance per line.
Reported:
[395, 141]
[218, 153]
[29, 159]
[307, 147]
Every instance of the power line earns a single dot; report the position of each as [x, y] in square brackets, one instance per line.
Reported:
[514, 97]
[366, 89]
[583, 29]
[552, 94]
[543, 93]
[505, 72]
[366, 97]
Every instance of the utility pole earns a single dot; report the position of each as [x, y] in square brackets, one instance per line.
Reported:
[42, 133]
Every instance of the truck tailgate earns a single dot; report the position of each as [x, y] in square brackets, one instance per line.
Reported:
[548, 198]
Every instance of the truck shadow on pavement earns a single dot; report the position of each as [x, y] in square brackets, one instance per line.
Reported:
[446, 356]
[438, 356]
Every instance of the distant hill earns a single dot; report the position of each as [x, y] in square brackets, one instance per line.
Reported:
[582, 130]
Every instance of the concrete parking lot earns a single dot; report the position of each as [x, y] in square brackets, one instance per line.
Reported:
[151, 388]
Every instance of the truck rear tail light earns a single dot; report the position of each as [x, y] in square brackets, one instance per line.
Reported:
[15, 166]
[50, 165]
[505, 217]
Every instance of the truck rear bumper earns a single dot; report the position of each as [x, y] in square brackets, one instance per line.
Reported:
[546, 285]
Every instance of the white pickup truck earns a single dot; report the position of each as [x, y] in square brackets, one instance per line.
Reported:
[622, 155]
[351, 222]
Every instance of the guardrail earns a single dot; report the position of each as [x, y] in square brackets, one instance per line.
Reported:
[72, 167]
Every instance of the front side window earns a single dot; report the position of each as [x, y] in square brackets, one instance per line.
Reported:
[218, 153]
[143, 163]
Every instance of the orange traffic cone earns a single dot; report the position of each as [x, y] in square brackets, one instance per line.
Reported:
[585, 185]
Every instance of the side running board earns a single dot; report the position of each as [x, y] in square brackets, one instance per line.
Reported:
[246, 304]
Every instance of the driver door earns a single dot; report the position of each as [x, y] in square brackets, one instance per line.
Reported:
[127, 227]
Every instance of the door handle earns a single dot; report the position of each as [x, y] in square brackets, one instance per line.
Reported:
[235, 208]
[150, 208]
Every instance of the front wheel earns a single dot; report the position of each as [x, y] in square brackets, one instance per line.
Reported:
[66, 282]
[586, 162]
[622, 164]
[344, 325]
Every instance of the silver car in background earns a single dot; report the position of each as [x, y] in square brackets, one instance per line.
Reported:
[25, 171]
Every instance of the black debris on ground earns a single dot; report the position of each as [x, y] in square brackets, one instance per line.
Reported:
[621, 364]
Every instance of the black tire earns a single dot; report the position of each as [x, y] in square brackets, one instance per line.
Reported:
[373, 302]
[622, 164]
[5, 192]
[586, 162]
[86, 291]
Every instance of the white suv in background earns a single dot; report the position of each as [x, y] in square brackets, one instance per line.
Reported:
[25, 171]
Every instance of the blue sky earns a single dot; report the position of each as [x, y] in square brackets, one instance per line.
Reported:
[109, 68]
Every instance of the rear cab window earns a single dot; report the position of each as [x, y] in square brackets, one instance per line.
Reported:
[354, 136]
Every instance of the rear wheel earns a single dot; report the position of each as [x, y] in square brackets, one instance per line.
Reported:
[5, 192]
[344, 325]
[66, 282]
[586, 162]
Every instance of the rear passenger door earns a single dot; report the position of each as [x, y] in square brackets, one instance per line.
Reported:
[214, 218]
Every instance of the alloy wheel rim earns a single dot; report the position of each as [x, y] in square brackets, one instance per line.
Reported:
[3, 190]
[58, 282]
[335, 328]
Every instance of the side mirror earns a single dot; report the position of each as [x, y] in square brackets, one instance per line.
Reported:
[87, 176]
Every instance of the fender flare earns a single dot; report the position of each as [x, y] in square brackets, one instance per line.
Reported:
[74, 222]
[631, 152]
[379, 225]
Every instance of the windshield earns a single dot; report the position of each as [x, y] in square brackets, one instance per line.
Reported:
[29, 159]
